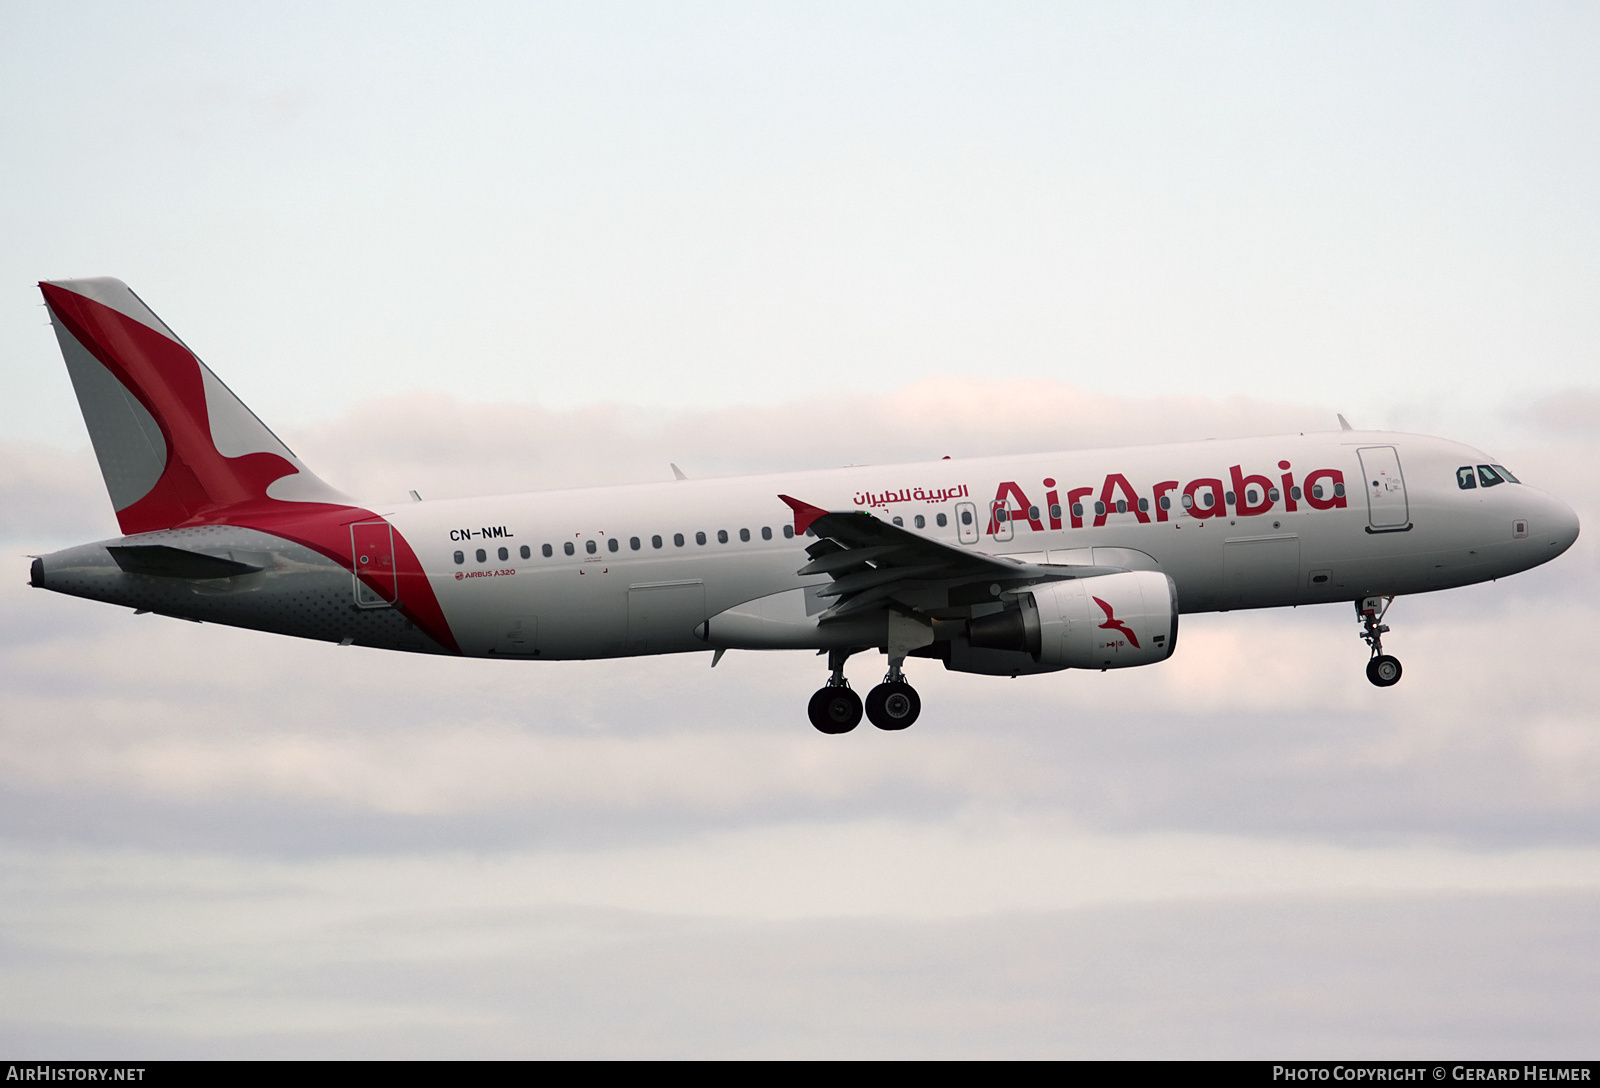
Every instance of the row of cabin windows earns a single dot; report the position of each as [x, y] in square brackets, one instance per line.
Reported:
[1488, 475]
[1252, 496]
[613, 544]
[940, 520]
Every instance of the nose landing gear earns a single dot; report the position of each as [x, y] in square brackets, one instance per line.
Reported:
[1382, 670]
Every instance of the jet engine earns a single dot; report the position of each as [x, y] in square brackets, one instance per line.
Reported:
[1114, 621]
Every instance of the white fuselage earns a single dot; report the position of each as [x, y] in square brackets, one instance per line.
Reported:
[618, 592]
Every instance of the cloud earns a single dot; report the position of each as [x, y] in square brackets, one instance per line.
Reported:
[50, 496]
[447, 447]
[1262, 723]
[183, 803]
[741, 948]
[1573, 412]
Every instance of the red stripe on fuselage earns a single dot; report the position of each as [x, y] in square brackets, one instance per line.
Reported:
[326, 529]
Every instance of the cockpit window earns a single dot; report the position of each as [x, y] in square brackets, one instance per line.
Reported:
[1466, 479]
[1488, 476]
[1501, 469]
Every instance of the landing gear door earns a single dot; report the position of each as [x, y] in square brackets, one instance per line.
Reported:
[372, 552]
[966, 523]
[1387, 507]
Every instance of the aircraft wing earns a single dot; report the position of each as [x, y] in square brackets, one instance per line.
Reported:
[871, 560]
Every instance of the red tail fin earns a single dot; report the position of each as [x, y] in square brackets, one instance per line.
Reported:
[175, 446]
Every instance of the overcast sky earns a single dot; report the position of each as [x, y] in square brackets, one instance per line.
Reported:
[499, 248]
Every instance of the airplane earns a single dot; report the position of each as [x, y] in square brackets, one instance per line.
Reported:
[998, 566]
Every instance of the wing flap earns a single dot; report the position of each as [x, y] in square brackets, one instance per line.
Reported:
[872, 560]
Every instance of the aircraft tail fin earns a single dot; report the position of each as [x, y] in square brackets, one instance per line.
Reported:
[175, 445]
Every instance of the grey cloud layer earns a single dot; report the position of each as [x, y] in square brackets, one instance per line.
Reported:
[645, 820]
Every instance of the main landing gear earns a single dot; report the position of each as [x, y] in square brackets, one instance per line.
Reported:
[1382, 670]
[893, 704]
[835, 708]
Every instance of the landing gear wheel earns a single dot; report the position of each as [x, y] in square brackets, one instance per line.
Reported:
[893, 705]
[835, 710]
[1383, 670]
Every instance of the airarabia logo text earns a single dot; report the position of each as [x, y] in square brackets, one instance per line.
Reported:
[1241, 494]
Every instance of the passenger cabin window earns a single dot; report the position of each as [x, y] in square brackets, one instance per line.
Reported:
[1099, 508]
[722, 536]
[1488, 477]
[483, 556]
[633, 543]
[766, 532]
[677, 540]
[655, 542]
[1295, 493]
[1033, 513]
[590, 546]
[525, 552]
[919, 521]
[460, 558]
[788, 531]
[900, 521]
[504, 555]
[567, 547]
[941, 520]
[613, 544]
[1144, 506]
[1055, 511]
[1466, 478]
[699, 538]
[548, 551]
[744, 536]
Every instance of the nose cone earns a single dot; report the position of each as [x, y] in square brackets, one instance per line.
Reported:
[1560, 526]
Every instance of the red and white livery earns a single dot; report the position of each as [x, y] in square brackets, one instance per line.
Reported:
[998, 565]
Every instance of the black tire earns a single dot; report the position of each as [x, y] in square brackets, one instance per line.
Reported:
[1384, 671]
[835, 710]
[893, 706]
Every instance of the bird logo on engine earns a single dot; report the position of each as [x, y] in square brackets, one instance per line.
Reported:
[1114, 624]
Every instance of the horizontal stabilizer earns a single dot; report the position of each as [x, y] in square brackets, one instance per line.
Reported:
[164, 561]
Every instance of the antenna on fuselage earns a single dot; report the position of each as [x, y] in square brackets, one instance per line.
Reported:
[1344, 424]
[678, 472]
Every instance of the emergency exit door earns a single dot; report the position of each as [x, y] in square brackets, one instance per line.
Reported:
[966, 523]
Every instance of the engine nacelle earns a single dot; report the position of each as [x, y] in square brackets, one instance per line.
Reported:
[1114, 621]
